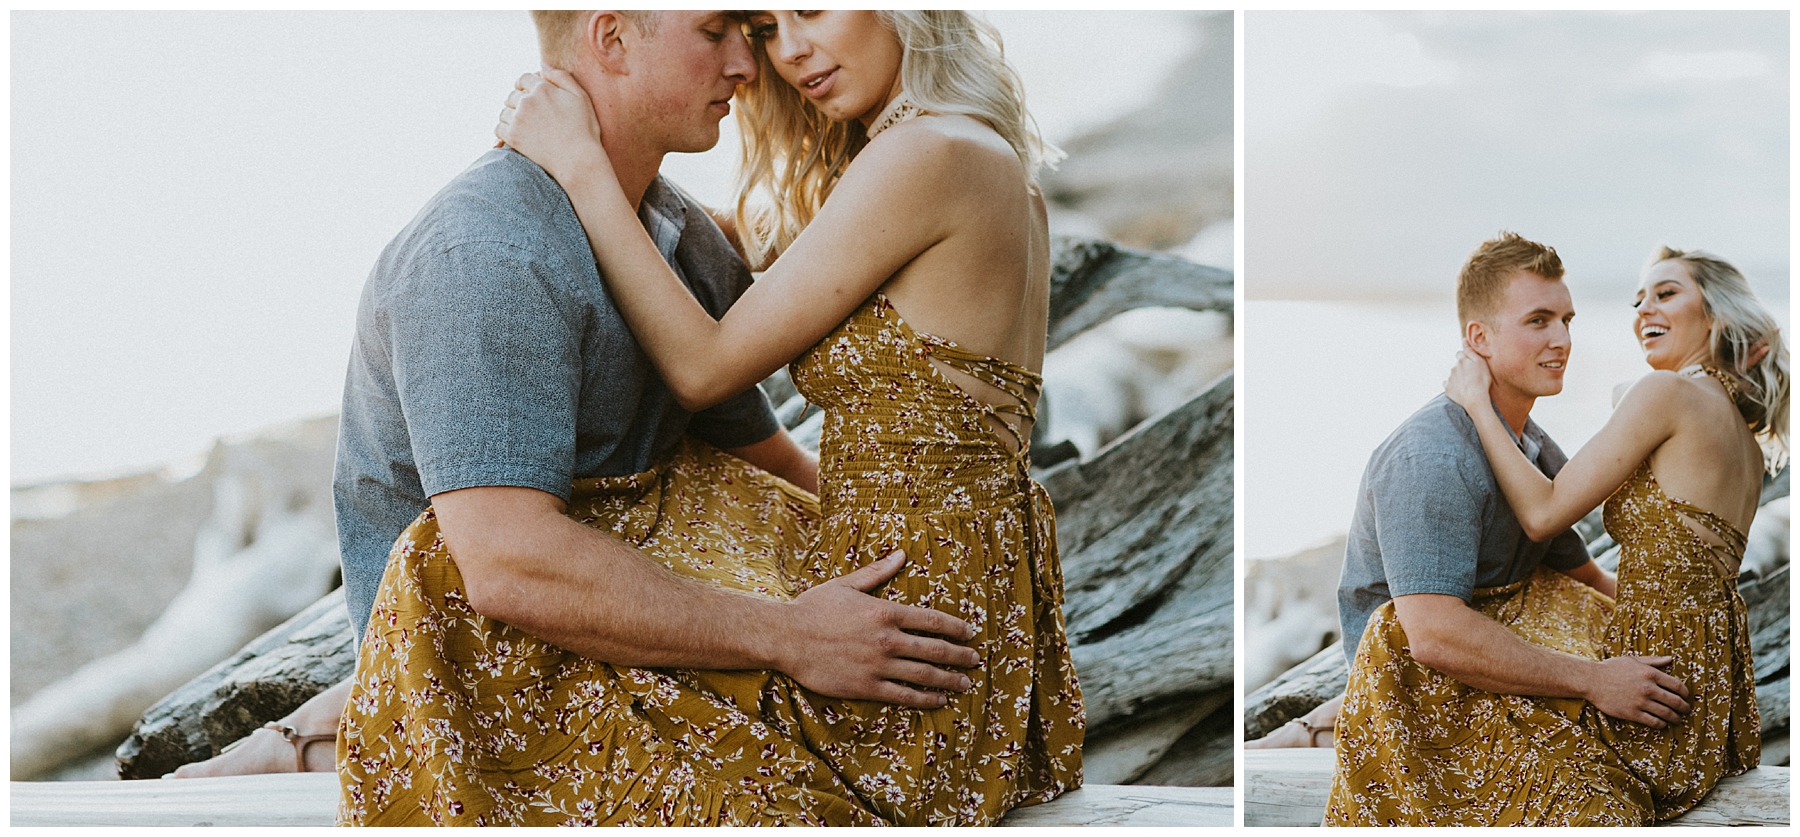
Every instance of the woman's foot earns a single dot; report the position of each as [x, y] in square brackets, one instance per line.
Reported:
[302, 739]
[266, 750]
[1314, 729]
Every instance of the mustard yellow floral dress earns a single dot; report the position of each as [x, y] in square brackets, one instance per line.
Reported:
[1417, 747]
[456, 719]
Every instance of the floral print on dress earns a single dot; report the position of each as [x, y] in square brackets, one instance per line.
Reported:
[1417, 747]
[456, 719]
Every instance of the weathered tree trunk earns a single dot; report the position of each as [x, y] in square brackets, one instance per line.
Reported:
[1144, 526]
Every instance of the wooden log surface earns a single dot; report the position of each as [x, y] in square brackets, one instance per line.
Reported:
[310, 799]
[1290, 787]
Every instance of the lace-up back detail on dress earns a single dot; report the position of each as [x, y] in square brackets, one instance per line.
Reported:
[892, 408]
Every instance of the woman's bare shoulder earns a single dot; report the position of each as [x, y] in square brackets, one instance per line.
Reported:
[953, 146]
[1672, 395]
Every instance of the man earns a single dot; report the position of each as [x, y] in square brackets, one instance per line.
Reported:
[490, 371]
[1431, 525]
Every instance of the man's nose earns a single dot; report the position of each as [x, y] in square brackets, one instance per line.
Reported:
[740, 64]
[1559, 336]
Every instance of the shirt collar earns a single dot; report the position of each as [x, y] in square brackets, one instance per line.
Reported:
[664, 214]
[1530, 439]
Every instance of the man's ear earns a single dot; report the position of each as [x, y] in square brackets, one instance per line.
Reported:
[1476, 335]
[604, 37]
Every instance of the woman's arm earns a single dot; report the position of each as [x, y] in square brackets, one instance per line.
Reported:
[894, 203]
[1545, 507]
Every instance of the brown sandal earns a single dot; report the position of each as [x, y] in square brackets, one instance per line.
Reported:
[300, 742]
[1312, 732]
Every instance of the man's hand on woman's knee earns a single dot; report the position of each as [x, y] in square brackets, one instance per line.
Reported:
[842, 642]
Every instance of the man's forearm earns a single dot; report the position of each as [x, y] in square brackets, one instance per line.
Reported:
[529, 566]
[1448, 635]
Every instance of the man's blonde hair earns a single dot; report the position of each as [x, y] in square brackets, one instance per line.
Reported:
[559, 32]
[1482, 283]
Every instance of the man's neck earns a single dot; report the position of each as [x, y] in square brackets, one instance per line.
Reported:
[1514, 408]
[634, 172]
[634, 161]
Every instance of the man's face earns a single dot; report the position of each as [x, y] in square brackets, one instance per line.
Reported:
[1526, 339]
[683, 77]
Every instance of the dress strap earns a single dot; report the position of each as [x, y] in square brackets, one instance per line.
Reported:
[1732, 388]
[899, 110]
[1735, 540]
[1015, 382]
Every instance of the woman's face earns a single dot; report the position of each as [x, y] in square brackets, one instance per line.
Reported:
[845, 62]
[1672, 326]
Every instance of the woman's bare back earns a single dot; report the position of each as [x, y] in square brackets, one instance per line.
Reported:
[986, 285]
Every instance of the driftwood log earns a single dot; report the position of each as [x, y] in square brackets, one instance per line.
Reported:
[310, 799]
[1144, 525]
[1289, 787]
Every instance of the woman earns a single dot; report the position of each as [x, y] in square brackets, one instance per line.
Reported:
[1703, 427]
[914, 128]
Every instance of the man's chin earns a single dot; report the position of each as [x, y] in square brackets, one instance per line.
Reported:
[699, 142]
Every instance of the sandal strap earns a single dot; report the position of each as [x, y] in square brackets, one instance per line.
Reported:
[300, 742]
[1312, 732]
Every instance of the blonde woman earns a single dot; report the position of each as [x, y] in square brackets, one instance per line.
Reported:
[907, 281]
[1679, 467]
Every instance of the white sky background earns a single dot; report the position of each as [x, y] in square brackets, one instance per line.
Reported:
[1381, 148]
[198, 197]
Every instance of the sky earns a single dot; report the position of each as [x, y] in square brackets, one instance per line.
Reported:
[1381, 147]
[198, 197]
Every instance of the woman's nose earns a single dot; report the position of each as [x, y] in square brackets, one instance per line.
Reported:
[790, 48]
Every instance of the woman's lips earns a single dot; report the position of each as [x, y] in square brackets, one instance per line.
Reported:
[817, 85]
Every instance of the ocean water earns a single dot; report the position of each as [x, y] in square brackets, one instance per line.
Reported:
[198, 197]
[1326, 381]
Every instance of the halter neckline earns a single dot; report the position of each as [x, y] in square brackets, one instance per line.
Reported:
[897, 111]
[1732, 390]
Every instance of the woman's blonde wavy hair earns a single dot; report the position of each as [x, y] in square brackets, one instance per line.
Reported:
[1739, 324]
[952, 62]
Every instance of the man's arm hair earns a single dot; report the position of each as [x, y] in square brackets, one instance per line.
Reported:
[526, 564]
[1446, 634]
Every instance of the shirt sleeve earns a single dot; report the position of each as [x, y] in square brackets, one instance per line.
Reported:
[744, 419]
[1428, 526]
[487, 364]
[1566, 551]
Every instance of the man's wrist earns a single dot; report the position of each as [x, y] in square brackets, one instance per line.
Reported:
[763, 638]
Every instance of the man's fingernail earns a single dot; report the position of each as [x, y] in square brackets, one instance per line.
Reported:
[967, 683]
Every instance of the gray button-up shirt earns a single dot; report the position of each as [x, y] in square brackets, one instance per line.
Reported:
[488, 353]
[1430, 519]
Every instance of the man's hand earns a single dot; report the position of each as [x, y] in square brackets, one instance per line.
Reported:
[1631, 688]
[841, 642]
